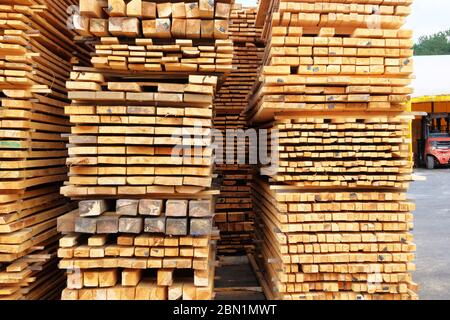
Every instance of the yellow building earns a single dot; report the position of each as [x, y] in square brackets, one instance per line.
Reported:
[431, 91]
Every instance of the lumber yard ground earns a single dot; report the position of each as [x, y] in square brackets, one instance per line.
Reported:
[432, 233]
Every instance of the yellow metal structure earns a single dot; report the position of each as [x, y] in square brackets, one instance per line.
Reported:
[426, 99]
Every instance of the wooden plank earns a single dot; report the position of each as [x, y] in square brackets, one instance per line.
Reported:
[149, 207]
[155, 225]
[127, 207]
[177, 226]
[89, 208]
[131, 225]
[177, 208]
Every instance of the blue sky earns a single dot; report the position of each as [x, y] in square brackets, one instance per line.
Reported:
[428, 16]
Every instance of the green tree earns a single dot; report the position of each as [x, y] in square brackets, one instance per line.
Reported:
[436, 44]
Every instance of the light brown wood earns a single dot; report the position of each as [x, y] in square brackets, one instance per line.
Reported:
[148, 9]
[91, 8]
[117, 8]
[175, 291]
[108, 278]
[165, 277]
[131, 277]
[134, 8]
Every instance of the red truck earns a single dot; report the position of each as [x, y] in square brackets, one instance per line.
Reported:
[434, 145]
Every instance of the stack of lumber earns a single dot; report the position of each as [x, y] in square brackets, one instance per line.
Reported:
[140, 151]
[138, 250]
[232, 98]
[335, 244]
[200, 29]
[201, 19]
[234, 209]
[243, 24]
[148, 55]
[36, 51]
[126, 132]
[344, 151]
[333, 219]
[324, 57]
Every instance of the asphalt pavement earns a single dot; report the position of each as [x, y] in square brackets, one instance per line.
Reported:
[432, 233]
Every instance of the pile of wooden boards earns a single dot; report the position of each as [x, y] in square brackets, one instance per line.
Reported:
[36, 51]
[345, 151]
[234, 209]
[308, 61]
[146, 55]
[333, 219]
[151, 27]
[201, 19]
[133, 249]
[144, 136]
[140, 152]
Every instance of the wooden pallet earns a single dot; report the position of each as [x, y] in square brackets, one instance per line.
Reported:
[35, 276]
[234, 210]
[243, 27]
[142, 111]
[232, 98]
[139, 249]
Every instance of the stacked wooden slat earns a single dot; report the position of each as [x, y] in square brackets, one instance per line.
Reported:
[139, 250]
[234, 209]
[126, 133]
[151, 28]
[242, 24]
[232, 98]
[335, 244]
[328, 58]
[201, 19]
[333, 219]
[36, 51]
[144, 55]
[141, 154]
[122, 276]
[342, 151]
